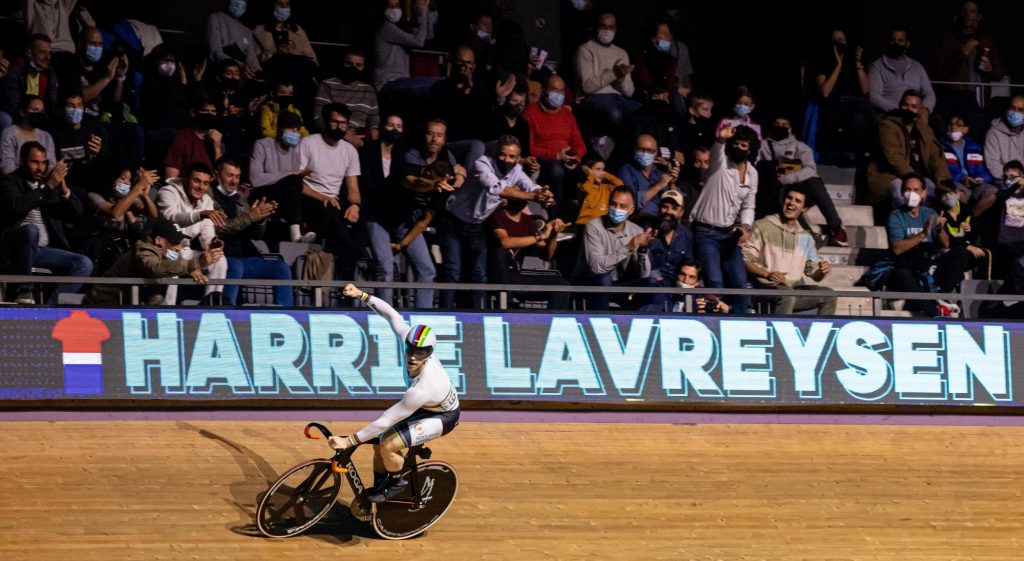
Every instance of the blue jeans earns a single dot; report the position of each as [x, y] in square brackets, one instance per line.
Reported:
[259, 268]
[721, 262]
[462, 242]
[610, 109]
[417, 253]
[25, 253]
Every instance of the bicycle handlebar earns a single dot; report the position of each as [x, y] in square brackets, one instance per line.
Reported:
[323, 430]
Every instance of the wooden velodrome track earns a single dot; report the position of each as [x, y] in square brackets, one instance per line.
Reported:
[186, 489]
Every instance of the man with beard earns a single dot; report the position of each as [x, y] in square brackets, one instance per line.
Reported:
[895, 72]
[35, 202]
[724, 212]
[350, 90]
[781, 254]
[671, 246]
[200, 143]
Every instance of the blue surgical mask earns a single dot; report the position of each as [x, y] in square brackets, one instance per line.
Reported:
[664, 45]
[433, 17]
[617, 215]
[282, 14]
[393, 14]
[172, 255]
[1014, 118]
[643, 159]
[122, 189]
[556, 99]
[741, 110]
[579, 4]
[291, 138]
[94, 53]
[237, 8]
[483, 34]
[74, 114]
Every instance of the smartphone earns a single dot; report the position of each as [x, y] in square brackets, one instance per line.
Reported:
[216, 243]
[665, 153]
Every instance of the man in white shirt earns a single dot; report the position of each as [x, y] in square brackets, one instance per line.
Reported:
[605, 78]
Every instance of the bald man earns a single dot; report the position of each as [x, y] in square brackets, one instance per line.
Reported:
[645, 178]
[555, 138]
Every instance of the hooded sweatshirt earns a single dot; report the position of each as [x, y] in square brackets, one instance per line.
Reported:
[174, 205]
[787, 249]
[792, 149]
[1002, 145]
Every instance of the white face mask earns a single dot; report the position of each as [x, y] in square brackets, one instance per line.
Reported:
[685, 284]
[955, 136]
[605, 36]
[122, 189]
[393, 14]
[167, 69]
[913, 199]
[225, 192]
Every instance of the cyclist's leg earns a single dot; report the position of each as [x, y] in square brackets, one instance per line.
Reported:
[379, 473]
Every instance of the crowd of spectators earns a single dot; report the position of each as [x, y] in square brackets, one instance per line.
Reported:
[613, 168]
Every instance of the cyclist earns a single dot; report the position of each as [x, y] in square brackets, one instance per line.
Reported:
[428, 410]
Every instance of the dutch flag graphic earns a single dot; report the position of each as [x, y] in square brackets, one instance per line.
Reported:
[82, 337]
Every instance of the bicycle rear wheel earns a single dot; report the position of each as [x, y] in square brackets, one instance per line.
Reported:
[298, 499]
[399, 519]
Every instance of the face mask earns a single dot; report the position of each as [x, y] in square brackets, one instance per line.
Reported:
[291, 138]
[515, 206]
[912, 199]
[349, 74]
[779, 133]
[36, 120]
[230, 83]
[503, 167]
[736, 155]
[955, 136]
[227, 193]
[605, 36]
[205, 121]
[1014, 118]
[434, 17]
[514, 109]
[907, 116]
[284, 100]
[663, 45]
[483, 34]
[282, 14]
[895, 50]
[390, 136]
[334, 134]
[393, 14]
[579, 4]
[741, 110]
[172, 255]
[237, 8]
[839, 47]
[93, 53]
[74, 114]
[556, 99]
[950, 200]
[685, 285]
[166, 69]
[1011, 181]
[617, 215]
[122, 189]
[643, 159]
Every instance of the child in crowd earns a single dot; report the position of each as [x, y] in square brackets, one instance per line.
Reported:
[596, 189]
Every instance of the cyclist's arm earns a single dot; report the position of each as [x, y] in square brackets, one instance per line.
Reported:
[387, 312]
[414, 399]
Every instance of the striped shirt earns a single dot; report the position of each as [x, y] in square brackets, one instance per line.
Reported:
[35, 217]
[359, 97]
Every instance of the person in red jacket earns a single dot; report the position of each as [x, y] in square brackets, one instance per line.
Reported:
[555, 139]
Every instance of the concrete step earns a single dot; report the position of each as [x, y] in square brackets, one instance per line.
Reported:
[850, 214]
[870, 237]
[841, 194]
[851, 255]
[836, 175]
[844, 276]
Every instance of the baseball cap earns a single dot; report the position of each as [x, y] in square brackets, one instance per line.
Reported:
[672, 195]
[167, 230]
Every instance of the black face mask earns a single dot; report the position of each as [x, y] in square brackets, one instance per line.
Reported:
[839, 47]
[736, 155]
[204, 121]
[349, 74]
[906, 115]
[334, 134]
[894, 50]
[284, 100]
[514, 109]
[503, 167]
[230, 83]
[390, 136]
[36, 120]
[778, 133]
[515, 206]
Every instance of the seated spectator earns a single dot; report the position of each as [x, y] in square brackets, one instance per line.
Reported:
[596, 190]
[1004, 141]
[697, 168]
[846, 119]
[1010, 239]
[36, 204]
[432, 150]
[157, 255]
[697, 129]
[201, 143]
[957, 210]
[480, 38]
[278, 36]
[271, 111]
[392, 43]
[333, 166]
[515, 234]
[745, 105]
[507, 119]
[785, 161]
[724, 211]
[605, 76]
[6, 119]
[28, 129]
[967, 54]
[689, 277]
[671, 246]
[614, 250]
[894, 73]
[123, 212]
[80, 142]
[187, 203]
[241, 225]
[645, 178]
[229, 38]
[461, 231]
[781, 254]
[906, 145]
[916, 235]
[235, 106]
[672, 14]
[276, 174]
[655, 63]
[351, 90]
[31, 75]
[966, 163]
[657, 119]
[555, 139]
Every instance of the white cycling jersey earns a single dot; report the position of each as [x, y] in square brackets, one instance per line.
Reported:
[431, 389]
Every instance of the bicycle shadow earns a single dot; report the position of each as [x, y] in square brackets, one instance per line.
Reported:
[339, 527]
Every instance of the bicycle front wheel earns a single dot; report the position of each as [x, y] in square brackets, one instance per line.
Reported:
[298, 499]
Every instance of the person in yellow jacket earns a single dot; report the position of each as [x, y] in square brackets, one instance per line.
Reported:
[595, 190]
[270, 110]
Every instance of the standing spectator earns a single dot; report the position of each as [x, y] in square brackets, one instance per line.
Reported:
[657, 119]
[235, 106]
[605, 76]
[463, 103]
[515, 233]
[392, 43]
[968, 54]
[165, 107]
[27, 129]
[672, 245]
[1004, 141]
[275, 171]
[555, 139]
[781, 254]
[614, 250]
[644, 178]
[52, 18]
[894, 73]
[596, 189]
[200, 143]
[745, 105]
[906, 145]
[697, 128]
[966, 163]
[31, 75]
[35, 204]
[351, 90]
[785, 161]
[846, 118]
[507, 118]
[80, 142]
[270, 112]
[724, 212]
[229, 38]
[1010, 239]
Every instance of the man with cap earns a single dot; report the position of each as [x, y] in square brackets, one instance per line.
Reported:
[671, 245]
[156, 256]
[429, 409]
